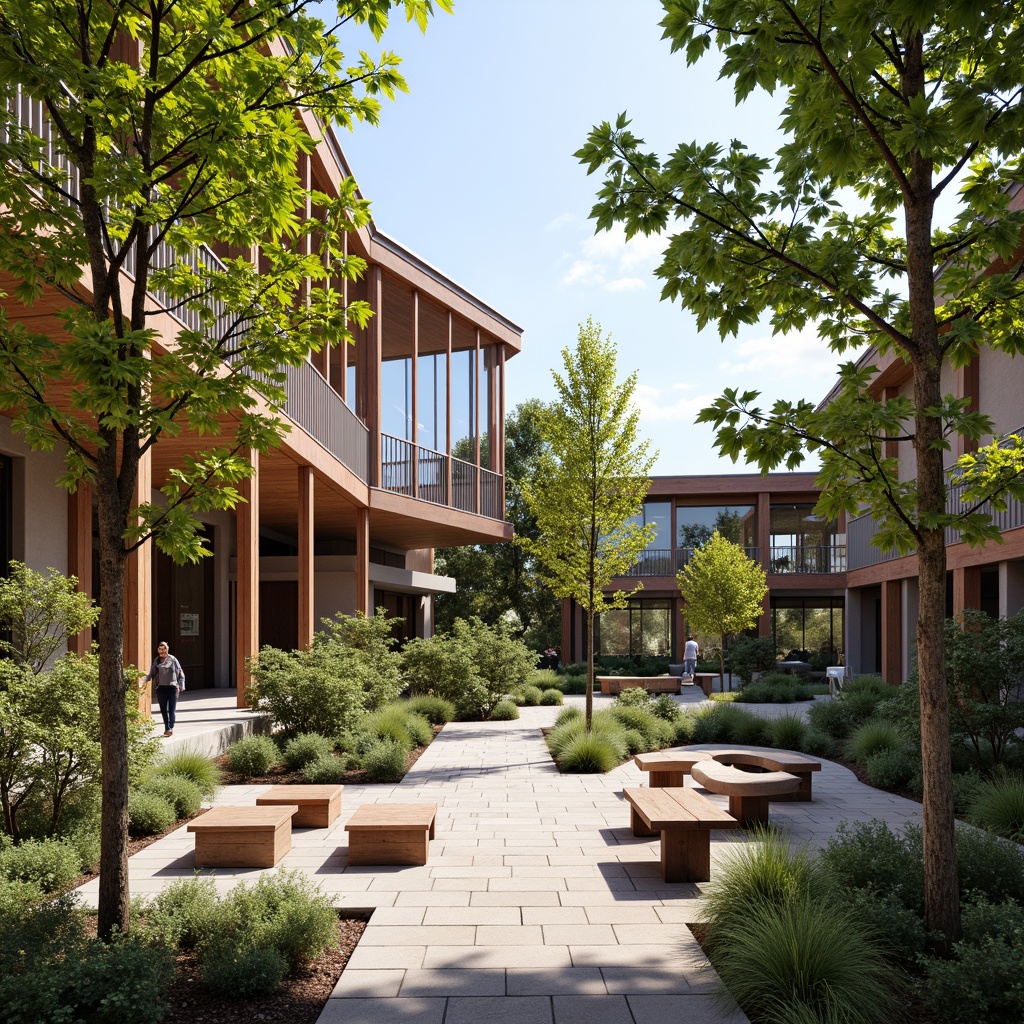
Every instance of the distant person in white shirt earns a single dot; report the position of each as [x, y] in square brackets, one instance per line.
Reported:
[690, 658]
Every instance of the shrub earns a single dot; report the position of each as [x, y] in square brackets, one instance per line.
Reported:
[589, 753]
[891, 768]
[436, 710]
[148, 814]
[50, 864]
[504, 711]
[710, 725]
[787, 732]
[611, 731]
[191, 765]
[998, 805]
[182, 794]
[241, 972]
[531, 695]
[748, 730]
[832, 717]
[819, 744]
[327, 769]
[253, 756]
[807, 961]
[551, 697]
[569, 714]
[385, 760]
[633, 697]
[985, 979]
[573, 684]
[50, 970]
[635, 742]
[389, 724]
[987, 865]
[666, 708]
[871, 737]
[965, 788]
[543, 678]
[748, 654]
[306, 747]
[657, 733]
[17, 898]
[183, 913]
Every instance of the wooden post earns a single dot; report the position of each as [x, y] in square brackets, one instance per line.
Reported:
[306, 567]
[80, 554]
[892, 631]
[363, 597]
[247, 588]
[374, 341]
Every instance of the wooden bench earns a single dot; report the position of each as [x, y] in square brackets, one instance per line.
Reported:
[318, 805]
[666, 769]
[748, 792]
[775, 761]
[705, 680]
[391, 833]
[685, 820]
[652, 684]
[243, 837]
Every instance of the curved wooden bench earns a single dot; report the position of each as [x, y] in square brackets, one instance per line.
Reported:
[685, 820]
[748, 792]
[775, 761]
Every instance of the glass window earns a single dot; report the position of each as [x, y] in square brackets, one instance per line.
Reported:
[696, 524]
[659, 515]
[396, 397]
[464, 405]
[431, 381]
[808, 627]
[643, 628]
[801, 540]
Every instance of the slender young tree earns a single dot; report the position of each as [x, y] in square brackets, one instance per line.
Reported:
[591, 481]
[137, 141]
[887, 106]
[723, 589]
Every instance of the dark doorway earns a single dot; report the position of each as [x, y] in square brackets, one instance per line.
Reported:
[401, 605]
[279, 615]
[184, 615]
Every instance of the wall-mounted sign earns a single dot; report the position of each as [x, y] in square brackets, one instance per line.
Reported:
[189, 624]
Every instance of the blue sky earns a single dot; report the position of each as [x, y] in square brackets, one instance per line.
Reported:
[473, 170]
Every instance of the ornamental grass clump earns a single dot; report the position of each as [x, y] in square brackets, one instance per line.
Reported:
[552, 697]
[192, 765]
[590, 753]
[253, 756]
[148, 814]
[998, 805]
[182, 794]
[326, 770]
[504, 711]
[385, 760]
[873, 736]
[787, 732]
[436, 710]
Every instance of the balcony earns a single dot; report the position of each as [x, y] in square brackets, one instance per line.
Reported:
[801, 559]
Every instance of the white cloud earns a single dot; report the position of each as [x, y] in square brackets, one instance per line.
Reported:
[625, 284]
[584, 272]
[656, 406]
[560, 221]
[796, 354]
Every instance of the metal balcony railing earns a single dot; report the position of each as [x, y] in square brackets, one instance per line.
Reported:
[814, 560]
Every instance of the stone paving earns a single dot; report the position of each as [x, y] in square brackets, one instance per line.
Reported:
[537, 906]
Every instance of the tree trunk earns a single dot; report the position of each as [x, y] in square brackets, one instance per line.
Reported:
[113, 894]
[721, 664]
[589, 634]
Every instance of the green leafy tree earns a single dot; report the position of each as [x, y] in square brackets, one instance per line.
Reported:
[40, 613]
[723, 590]
[887, 106]
[496, 579]
[168, 132]
[592, 478]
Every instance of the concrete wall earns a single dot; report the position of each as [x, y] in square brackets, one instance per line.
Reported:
[1001, 383]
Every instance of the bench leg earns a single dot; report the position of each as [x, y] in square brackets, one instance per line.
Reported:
[672, 780]
[638, 826]
[803, 794]
[749, 810]
[686, 855]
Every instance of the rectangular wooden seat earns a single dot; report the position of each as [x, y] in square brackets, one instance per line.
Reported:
[612, 685]
[243, 837]
[685, 820]
[318, 806]
[391, 833]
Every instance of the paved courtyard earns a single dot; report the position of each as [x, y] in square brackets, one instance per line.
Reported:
[537, 906]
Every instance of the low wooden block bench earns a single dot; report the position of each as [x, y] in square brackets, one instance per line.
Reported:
[685, 820]
[748, 792]
[775, 761]
[666, 769]
[652, 684]
[243, 837]
[705, 680]
[391, 833]
[318, 805]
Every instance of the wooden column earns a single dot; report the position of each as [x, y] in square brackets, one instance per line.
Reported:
[247, 587]
[80, 554]
[449, 497]
[415, 432]
[138, 594]
[892, 448]
[363, 597]
[968, 385]
[764, 557]
[374, 342]
[476, 420]
[306, 571]
[892, 631]
[966, 589]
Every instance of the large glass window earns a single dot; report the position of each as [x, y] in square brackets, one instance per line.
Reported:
[695, 524]
[464, 405]
[396, 397]
[431, 381]
[808, 627]
[642, 628]
[802, 541]
[656, 558]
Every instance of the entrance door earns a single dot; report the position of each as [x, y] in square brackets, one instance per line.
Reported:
[184, 616]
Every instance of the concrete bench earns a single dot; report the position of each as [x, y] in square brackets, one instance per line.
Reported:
[243, 837]
[775, 761]
[391, 833]
[614, 685]
[685, 820]
[318, 805]
[748, 792]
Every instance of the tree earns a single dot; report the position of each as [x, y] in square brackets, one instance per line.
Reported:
[168, 132]
[498, 578]
[723, 590]
[592, 477]
[886, 106]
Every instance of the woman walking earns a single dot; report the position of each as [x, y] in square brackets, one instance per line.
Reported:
[170, 681]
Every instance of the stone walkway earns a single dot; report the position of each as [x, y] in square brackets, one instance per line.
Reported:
[537, 907]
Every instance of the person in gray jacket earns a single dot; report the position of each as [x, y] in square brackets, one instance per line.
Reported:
[170, 681]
